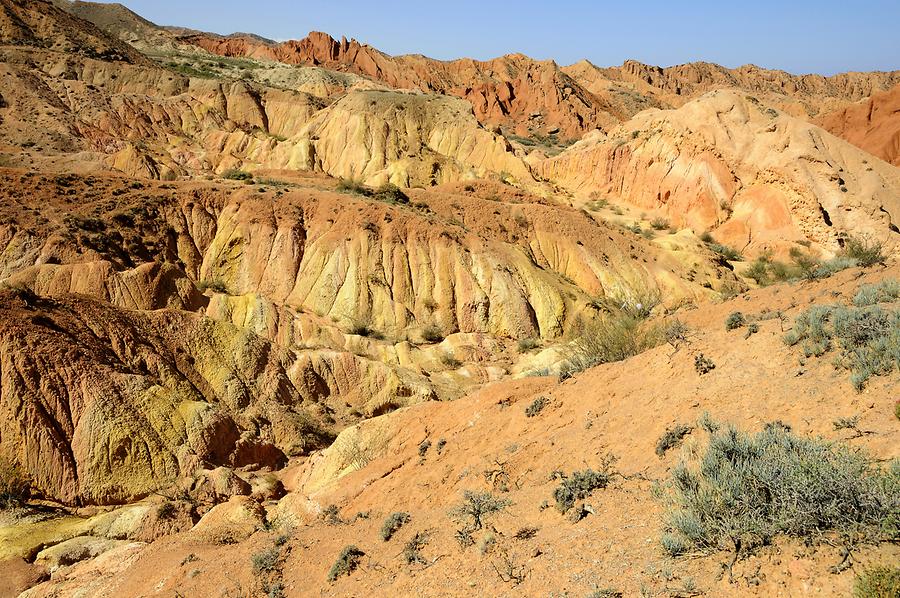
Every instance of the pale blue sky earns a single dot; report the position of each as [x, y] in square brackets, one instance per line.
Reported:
[826, 36]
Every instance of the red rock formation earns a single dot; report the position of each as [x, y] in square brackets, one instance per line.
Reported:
[873, 125]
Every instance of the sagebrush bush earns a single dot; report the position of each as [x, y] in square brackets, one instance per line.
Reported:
[347, 562]
[878, 582]
[536, 406]
[864, 250]
[614, 338]
[886, 291]
[392, 524]
[579, 485]
[745, 489]
[266, 560]
[868, 337]
[432, 334]
[735, 320]
[237, 175]
[476, 506]
[672, 438]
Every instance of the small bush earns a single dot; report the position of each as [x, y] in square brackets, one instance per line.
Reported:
[15, 488]
[477, 506]
[863, 250]
[346, 563]
[432, 334]
[746, 489]
[659, 224]
[423, 447]
[448, 360]
[617, 337]
[886, 291]
[332, 515]
[391, 194]
[412, 551]
[392, 524]
[352, 187]
[703, 364]
[237, 175]
[166, 510]
[869, 338]
[528, 344]
[217, 285]
[878, 582]
[672, 438]
[266, 560]
[735, 320]
[578, 486]
[728, 253]
[536, 406]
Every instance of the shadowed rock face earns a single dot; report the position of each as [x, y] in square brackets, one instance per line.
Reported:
[725, 162]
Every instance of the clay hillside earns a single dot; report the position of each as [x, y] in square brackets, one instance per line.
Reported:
[307, 319]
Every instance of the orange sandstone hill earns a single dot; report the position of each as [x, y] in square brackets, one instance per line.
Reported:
[872, 124]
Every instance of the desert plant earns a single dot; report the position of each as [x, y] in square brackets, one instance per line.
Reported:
[528, 344]
[703, 364]
[735, 320]
[659, 224]
[352, 187]
[864, 250]
[423, 447]
[727, 253]
[391, 194]
[392, 524]
[217, 285]
[412, 551]
[347, 562]
[886, 291]
[332, 515]
[744, 490]
[672, 438]
[476, 506]
[432, 334]
[536, 406]
[448, 360]
[878, 582]
[869, 338]
[266, 560]
[579, 485]
[614, 338]
[15, 488]
[237, 175]
[166, 510]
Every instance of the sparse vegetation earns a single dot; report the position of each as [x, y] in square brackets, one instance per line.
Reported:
[476, 507]
[15, 488]
[672, 438]
[864, 250]
[528, 344]
[868, 338]
[659, 224]
[878, 582]
[536, 406]
[412, 551]
[266, 560]
[237, 175]
[392, 524]
[332, 515]
[735, 320]
[703, 364]
[886, 291]
[387, 193]
[744, 490]
[579, 485]
[347, 562]
[432, 334]
[216, 285]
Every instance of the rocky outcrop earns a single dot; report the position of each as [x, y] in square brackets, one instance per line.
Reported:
[727, 163]
[872, 125]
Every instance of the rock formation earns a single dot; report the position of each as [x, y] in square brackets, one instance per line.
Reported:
[872, 124]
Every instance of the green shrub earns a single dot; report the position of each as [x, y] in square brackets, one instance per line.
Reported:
[617, 337]
[868, 337]
[735, 320]
[833, 266]
[217, 285]
[578, 486]
[536, 406]
[346, 563]
[746, 489]
[266, 560]
[672, 438]
[878, 582]
[391, 194]
[432, 334]
[237, 175]
[412, 551]
[886, 291]
[864, 250]
[728, 253]
[352, 187]
[528, 344]
[659, 224]
[15, 488]
[703, 364]
[393, 523]
[476, 506]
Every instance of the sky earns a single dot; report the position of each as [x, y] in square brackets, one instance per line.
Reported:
[800, 36]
